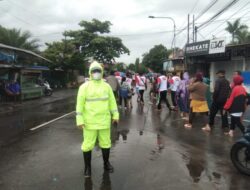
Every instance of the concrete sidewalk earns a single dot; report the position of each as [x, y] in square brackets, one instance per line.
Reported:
[7, 107]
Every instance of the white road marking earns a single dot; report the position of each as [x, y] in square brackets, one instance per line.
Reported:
[51, 121]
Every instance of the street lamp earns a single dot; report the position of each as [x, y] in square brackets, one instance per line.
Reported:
[170, 18]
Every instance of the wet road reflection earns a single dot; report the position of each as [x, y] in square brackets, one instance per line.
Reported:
[151, 150]
[105, 184]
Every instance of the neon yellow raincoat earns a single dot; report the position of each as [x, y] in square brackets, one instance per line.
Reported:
[96, 106]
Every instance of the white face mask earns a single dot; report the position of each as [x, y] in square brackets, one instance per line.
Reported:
[97, 76]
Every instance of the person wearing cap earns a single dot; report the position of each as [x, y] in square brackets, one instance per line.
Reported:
[236, 105]
[220, 95]
[96, 107]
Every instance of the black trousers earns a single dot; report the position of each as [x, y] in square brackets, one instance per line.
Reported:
[235, 121]
[215, 107]
[163, 97]
[192, 116]
[173, 97]
[141, 95]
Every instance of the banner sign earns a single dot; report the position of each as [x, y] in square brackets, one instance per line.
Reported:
[206, 47]
[217, 46]
[198, 48]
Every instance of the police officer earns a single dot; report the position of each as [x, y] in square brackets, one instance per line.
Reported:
[96, 108]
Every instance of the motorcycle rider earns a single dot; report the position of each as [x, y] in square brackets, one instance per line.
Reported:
[96, 106]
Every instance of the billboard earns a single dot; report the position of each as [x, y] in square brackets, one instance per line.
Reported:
[217, 46]
[206, 47]
[198, 48]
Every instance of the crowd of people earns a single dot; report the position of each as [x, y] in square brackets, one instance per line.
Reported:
[192, 96]
[124, 86]
[97, 99]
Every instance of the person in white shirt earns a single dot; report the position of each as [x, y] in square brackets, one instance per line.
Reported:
[162, 88]
[141, 81]
[176, 82]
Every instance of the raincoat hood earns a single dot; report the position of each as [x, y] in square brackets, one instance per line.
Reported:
[94, 65]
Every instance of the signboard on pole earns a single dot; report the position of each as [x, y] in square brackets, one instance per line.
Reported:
[198, 48]
[206, 47]
[217, 46]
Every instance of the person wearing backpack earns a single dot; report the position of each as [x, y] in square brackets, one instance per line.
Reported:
[124, 92]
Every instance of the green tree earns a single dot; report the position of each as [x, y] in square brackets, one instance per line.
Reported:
[17, 38]
[131, 67]
[93, 43]
[235, 28]
[119, 67]
[137, 65]
[64, 55]
[155, 58]
[243, 37]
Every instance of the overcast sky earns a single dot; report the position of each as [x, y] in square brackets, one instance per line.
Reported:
[47, 19]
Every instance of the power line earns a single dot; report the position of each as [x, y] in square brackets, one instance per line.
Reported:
[120, 35]
[224, 29]
[218, 14]
[49, 34]
[195, 4]
[206, 9]
[217, 27]
[27, 10]
[201, 35]
[209, 6]
[24, 21]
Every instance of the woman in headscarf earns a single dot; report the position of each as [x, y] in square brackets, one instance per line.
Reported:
[183, 95]
[197, 90]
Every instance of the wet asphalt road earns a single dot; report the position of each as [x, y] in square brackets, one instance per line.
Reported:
[151, 150]
[16, 119]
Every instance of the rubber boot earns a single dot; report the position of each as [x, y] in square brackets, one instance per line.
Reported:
[87, 164]
[105, 155]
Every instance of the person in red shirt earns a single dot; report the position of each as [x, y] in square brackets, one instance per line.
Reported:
[236, 105]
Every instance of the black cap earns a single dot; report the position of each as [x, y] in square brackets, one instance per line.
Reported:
[221, 72]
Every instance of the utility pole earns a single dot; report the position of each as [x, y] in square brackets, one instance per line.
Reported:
[188, 30]
[193, 29]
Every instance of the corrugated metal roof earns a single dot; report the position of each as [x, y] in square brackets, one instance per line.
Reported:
[3, 46]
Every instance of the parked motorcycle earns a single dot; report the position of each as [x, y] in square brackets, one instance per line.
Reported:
[240, 153]
[47, 90]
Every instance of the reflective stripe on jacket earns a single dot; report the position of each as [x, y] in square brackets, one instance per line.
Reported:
[96, 105]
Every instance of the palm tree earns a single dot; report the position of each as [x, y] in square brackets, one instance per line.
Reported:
[17, 38]
[235, 28]
[243, 37]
